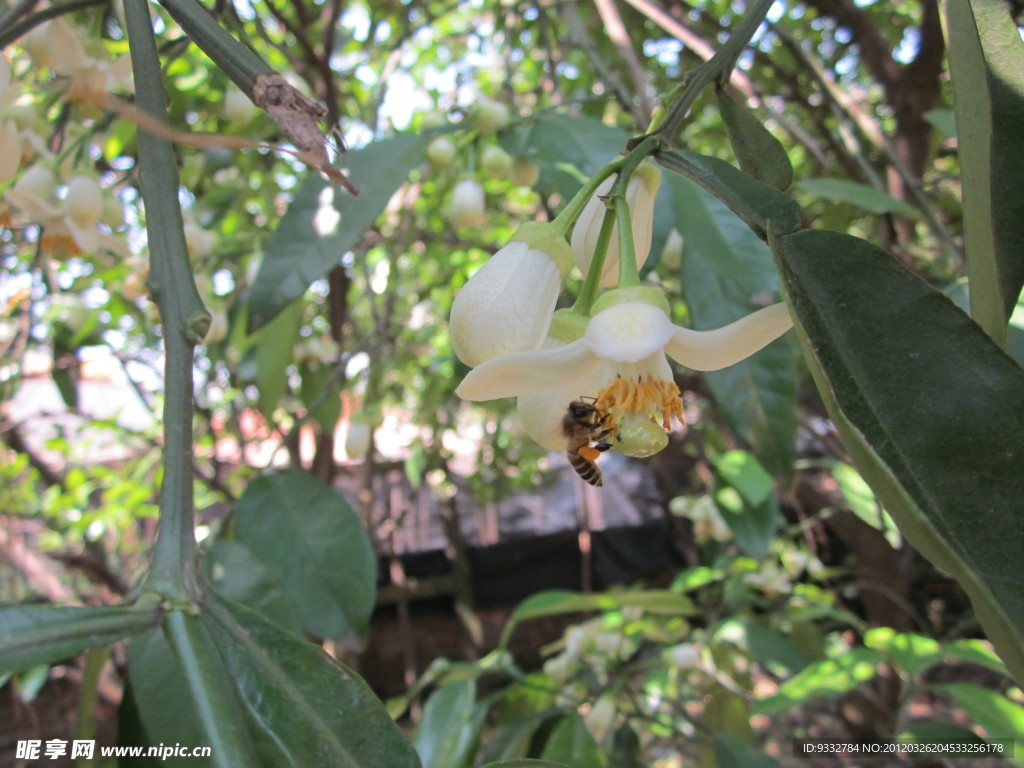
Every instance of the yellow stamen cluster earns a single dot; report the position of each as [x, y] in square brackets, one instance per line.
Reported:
[58, 244]
[643, 395]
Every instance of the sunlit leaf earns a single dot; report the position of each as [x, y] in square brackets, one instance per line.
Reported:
[823, 679]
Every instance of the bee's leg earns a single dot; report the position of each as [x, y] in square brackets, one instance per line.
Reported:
[602, 447]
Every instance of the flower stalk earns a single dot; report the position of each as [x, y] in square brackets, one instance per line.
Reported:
[678, 103]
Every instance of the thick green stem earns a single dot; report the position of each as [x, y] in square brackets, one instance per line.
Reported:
[574, 207]
[184, 319]
[592, 282]
[718, 66]
[629, 274]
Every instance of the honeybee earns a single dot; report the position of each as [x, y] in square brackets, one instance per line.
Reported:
[583, 424]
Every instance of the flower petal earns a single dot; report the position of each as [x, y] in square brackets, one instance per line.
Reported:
[541, 414]
[506, 307]
[531, 372]
[720, 348]
[629, 332]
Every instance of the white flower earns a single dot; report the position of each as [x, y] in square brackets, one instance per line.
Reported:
[672, 251]
[624, 351]
[198, 241]
[771, 579]
[685, 656]
[218, 326]
[92, 77]
[10, 150]
[357, 439]
[506, 306]
[640, 193]
[70, 228]
[238, 108]
[600, 718]
[467, 205]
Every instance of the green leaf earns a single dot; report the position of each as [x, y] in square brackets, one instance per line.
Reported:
[863, 504]
[31, 635]
[567, 148]
[752, 526]
[733, 752]
[741, 470]
[975, 651]
[305, 707]
[157, 705]
[236, 573]
[908, 652]
[449, 730]
[1000, 717]
[823, 679]
[935, 732]
[319, 392]
[727, 274]
[557, 601]
[943, 120]
[315, 549]
[757, 204]
[986, 59]
[273, 351]
[525, 764]
[764, 644]
[856, 194]
[210, 690]
[323, 222]
[919, 394]
[758, 152]
[571, 743]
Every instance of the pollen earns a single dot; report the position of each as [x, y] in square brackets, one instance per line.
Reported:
[589, 452]
[648, 395]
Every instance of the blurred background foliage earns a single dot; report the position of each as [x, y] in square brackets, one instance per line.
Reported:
[796, 607]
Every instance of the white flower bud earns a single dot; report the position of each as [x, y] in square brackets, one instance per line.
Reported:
[640, 193]
[200, 242]
[496, 162]
[467, 205]
[37, 181]
[525, 173]
[113, 212]
[601, 718]
[685, 656]
[357, 439]
[218, 326]
[10, 150]
[507, 305]
[441, 152]
[433, 119]
[84, 202]
[489, 117]
[238, 108]
[672, 251]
